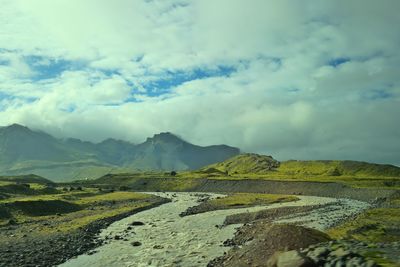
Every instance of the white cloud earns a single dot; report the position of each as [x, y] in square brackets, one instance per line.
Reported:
[282, 99]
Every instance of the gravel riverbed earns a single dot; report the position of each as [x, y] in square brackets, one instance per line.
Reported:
[160, 237]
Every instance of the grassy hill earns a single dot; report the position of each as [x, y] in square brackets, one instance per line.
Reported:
[260, 165]
[338, 168]
[253, 166]
[245, 163]
[31, 178]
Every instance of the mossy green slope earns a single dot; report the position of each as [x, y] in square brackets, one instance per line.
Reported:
[31, 178]
[338, 168]
[254, 164]
[244, 163]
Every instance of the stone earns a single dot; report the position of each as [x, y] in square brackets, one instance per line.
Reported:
[136, 244]
[340, 252]
[290, 258]
[371, 263]
[137, 223]
[117, 237]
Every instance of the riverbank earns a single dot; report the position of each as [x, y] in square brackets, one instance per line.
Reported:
[322, 189]
[54, 240]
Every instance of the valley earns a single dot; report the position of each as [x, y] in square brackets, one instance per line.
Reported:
[80, 212]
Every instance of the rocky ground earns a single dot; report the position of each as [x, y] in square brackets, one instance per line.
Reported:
[266, 244]
[20, 245]
[160, 237]
[259, 242]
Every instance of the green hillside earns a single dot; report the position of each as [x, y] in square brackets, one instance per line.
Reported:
[245, 163]
[253, 164]
[338, 168]
[31, 178]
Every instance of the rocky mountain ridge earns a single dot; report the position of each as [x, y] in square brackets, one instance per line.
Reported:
[25, 151]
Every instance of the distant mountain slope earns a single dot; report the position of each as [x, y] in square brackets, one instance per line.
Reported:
[24, 151]
[30, 178]
[166, 151]
[260, 164]
[18, 143]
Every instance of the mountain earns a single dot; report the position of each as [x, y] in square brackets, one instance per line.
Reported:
[24, 151]
[166, 151]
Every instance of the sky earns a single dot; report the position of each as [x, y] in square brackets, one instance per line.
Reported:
[291, 79]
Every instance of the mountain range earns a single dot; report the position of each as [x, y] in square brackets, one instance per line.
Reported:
[25, 151]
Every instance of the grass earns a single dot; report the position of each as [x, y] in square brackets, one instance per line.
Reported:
[379, 257]
[25, 208]
[250, 199]
[31, 178]
[114, 196]
[239, 200]
[186, 180]
[251, 166]
[374, 225]
[86, 218]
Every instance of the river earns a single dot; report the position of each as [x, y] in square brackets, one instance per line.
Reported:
[166, 239]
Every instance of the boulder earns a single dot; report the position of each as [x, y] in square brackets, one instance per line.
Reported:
[291, 258]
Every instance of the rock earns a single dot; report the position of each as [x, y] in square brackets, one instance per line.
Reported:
[92, 252]
[340, 252]
[158, 247]
[137, 223]
[12, 222]
[290, 258]
[340, 263]
[318, 254]
[117, 237]
[371, 263]
[228, 243]
[136, 244]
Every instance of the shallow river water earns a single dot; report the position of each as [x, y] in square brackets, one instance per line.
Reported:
[169, 240]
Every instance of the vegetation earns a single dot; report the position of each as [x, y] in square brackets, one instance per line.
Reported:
[238, 200]
[249, 199]
[374, 225]
[31, 178]
[252, 166]
[244, 163]
[68, 209]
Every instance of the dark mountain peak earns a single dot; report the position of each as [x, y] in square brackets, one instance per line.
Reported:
[111, 141]
[16, 127]
[116, 143]
[166, 137]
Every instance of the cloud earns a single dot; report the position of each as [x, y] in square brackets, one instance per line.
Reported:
[296, 80]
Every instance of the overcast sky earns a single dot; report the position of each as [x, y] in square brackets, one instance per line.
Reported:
[293, 79]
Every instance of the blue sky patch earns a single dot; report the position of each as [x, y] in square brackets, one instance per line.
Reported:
[6, 96]
[47, 68]
[173, 79]
[338, 61]
[378, 94]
